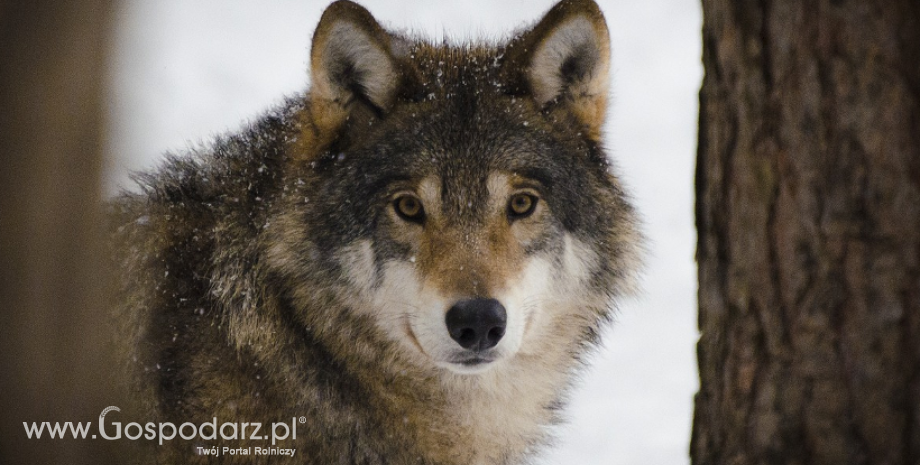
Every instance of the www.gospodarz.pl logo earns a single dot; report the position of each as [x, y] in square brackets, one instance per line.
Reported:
[167, 431]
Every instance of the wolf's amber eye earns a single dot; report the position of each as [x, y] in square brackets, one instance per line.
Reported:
[521, 205]
[409, 208]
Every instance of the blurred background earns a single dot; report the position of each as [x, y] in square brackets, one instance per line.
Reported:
[182, 72]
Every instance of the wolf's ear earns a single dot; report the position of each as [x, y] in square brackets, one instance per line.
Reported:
[352, 65]
[564, 60]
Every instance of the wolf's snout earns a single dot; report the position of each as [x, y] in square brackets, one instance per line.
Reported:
[477, 324]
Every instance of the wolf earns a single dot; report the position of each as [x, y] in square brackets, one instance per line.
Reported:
[412, 257]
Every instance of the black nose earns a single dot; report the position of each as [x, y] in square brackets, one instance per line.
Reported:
[477, 324]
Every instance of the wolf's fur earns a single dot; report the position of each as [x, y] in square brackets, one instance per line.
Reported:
[271, 276]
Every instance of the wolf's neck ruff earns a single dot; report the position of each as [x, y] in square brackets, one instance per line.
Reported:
[415, 255]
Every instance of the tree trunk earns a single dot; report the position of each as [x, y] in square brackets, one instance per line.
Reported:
[55, 364]
[808, 212]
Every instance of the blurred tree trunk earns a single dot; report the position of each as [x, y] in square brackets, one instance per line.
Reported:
[55, 364]
[808, 212]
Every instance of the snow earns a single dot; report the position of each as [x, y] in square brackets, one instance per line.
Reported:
[184, 71]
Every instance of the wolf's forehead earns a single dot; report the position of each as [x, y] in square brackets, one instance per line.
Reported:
[467, 160]
[453, 63]
[450, 193]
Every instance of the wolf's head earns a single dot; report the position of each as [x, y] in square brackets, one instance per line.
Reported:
[457, 196]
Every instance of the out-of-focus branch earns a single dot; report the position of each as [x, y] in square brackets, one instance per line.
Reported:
[55, 361]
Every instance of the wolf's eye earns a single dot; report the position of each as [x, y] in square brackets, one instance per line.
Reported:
[409, 208]
[521, 205]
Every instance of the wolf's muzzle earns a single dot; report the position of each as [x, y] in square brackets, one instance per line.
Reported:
[477, 324]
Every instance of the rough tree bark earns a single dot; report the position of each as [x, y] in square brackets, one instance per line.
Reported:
[808, 212]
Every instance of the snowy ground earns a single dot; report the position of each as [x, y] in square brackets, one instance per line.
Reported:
[186, 70]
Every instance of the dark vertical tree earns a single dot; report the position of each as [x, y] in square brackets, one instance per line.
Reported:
[54, 363]
[808, 212]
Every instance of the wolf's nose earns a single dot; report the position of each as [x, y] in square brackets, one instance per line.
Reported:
[477, 324]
